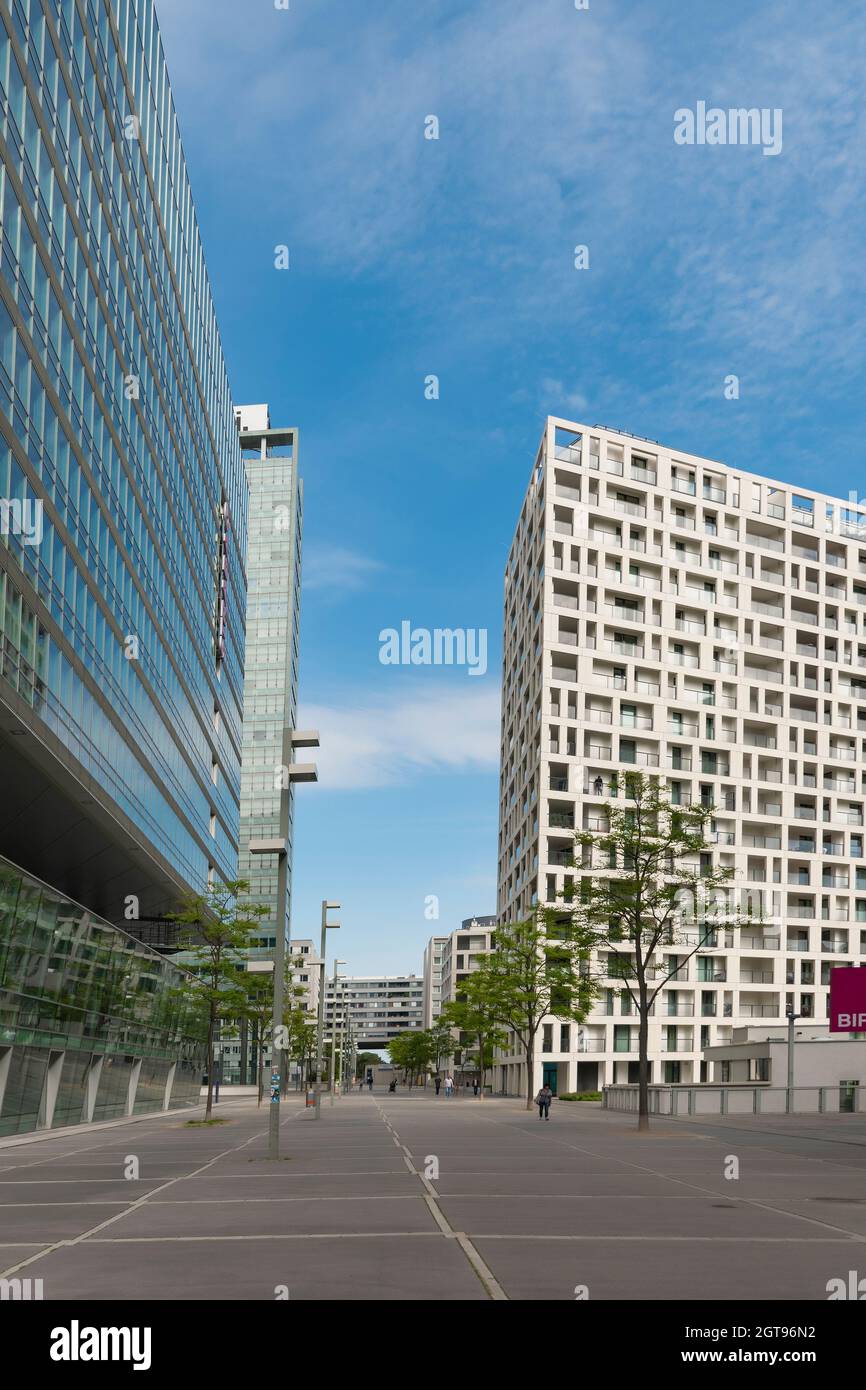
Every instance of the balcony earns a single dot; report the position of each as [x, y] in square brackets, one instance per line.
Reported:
[632, 649]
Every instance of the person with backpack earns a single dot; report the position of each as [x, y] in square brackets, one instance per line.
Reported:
[542, 1100]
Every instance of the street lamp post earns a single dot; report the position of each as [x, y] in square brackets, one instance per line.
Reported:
[332, 1079]
[320, 1026]
[279, 845]
[789, 1093]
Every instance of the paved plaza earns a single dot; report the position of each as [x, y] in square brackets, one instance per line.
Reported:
[407, 1197]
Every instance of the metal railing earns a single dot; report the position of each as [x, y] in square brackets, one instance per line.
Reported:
[739, 1099]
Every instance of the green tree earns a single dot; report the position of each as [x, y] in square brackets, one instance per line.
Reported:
[256, 1006]
[475, 1013]
[302, 1042]
[442, 1039]
[540, 966]
[218, 927]
[412, 1052]
[651, 884]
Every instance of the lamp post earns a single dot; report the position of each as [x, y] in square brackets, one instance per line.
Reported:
[320, 1026]
[789, 1093]
[332, 1079]
[279, 845]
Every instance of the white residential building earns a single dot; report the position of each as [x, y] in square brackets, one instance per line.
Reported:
[464, 951]
[670, 614]
[432, 978]
[305, 968]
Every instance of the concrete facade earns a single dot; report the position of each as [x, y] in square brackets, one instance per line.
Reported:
[377, 1007]
[672, 614]
[821, 1058]
[432, 977]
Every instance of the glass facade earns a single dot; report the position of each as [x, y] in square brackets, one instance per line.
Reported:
[122, 487]
[93, 1025]
[271, 677]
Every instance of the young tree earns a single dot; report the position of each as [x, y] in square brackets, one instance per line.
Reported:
[412, 1052]
[256, 1006]
[475, 1013]
[442, 1040]
[218, 926]
[649, 887]
[540, 966]
[302, 1042]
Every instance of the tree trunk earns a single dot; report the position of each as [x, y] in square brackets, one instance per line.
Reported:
[530, 1071]
[211, 1022]
[643, 1058]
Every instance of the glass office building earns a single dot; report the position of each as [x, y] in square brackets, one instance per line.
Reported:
[123, 516]
[93, 1025]
[271, 674]
[123, 499]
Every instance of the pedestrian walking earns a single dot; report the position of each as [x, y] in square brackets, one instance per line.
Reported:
[449, 1085]
[475, 1088]
[437, 1082]
[542, 1100]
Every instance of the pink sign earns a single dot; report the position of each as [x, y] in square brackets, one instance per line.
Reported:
[848, 1000]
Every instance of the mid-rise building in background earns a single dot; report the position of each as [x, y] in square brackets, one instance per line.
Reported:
[377, 1007]
[464, 951]
[123, 504]
[673, 615]
[431, 972]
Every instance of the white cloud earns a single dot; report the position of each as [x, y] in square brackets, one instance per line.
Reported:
[384, 743]
[555, 396]
[337, 569]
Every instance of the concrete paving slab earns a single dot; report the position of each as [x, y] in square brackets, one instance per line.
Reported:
[621, 1216]
[36, 1194]
[270, 1218]
[400, 1268]
[674, 1271]
[529, 1185]
[289, 1183]
[44, 1224]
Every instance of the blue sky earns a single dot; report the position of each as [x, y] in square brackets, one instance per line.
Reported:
[455, 257]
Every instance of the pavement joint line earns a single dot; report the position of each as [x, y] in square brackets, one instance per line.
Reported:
[13, 1269]
[237, 1201]
[675, 1240]
[489, 1283]
[270, 1235]
[751, 1201]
